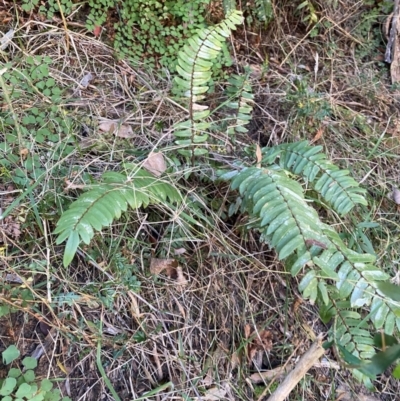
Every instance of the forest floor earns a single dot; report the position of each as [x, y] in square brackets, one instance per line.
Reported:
[232, 316]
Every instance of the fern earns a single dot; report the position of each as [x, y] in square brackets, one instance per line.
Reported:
[335, 185]
[105, 202]
[194, 69]
[240, 100]
[336, 277]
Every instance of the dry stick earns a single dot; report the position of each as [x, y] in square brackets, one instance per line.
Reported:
[302, 367]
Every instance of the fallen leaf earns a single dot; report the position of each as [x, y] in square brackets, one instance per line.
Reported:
[6, 39]
[261, 341]
[69, 185]
[181, 279]
[318, 135]
[24, 153]
[179, 251]
[155, 163]
[119, 130]
[159, 265]
[172, 270]
[272, 374]
[62, 367]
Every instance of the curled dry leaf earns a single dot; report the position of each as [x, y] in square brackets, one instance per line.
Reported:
[172, 270]
[272, 374]
[159, 265]
[155, 163]
[119, 130]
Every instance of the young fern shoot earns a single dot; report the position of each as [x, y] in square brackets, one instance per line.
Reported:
[194, 69]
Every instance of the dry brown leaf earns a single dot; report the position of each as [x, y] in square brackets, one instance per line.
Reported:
[318, 135]
[159, 265]
[269, 374]
[181, 279]
[258, 155]
[172, 270]
[247, 331]
[24, 153]
[10, 227]
[155, 163]
[69, 185]
[261, 342]
[119, 130]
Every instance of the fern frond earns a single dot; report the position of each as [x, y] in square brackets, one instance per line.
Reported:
[336, 187]
[284, 218]
[105, 202]
[340, 280]
[241, 101]
[194, 69]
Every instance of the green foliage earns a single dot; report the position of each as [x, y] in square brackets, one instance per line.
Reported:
[370, 26]
[335, 186]
[150, 31]
[50, 8]
[32, 137]
[22, 384]
[105, 201]
[240, 100]
[337, 278]
[194, 69]
[258, 12]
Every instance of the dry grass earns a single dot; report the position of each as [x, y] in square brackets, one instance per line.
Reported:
[179, 339]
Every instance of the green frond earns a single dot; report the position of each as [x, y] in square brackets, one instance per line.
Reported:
[344, 283]
[194, 65]
[336, 187]
[240, 100]
[105, 202]
[285, 219]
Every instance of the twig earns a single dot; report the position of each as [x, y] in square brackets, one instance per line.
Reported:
[302, 367]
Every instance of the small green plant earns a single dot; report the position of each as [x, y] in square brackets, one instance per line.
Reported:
[105, 201]
[150, 31]
[51, 7]
[22, 384]
[42, 133]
